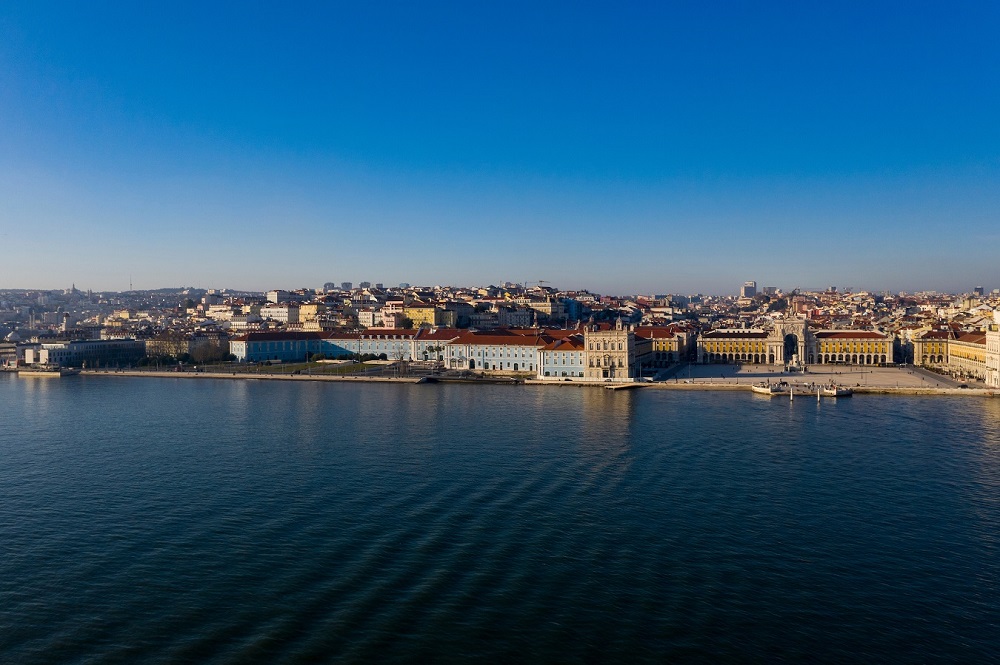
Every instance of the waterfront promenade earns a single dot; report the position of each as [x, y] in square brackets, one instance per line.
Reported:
[867, 379]
[264, 376]
[872, 380]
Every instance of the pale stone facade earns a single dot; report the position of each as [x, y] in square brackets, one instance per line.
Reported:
[993, 352]
[967, 356]
[791, 341]
[611, 353]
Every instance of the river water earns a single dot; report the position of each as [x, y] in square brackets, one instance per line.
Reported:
[215, 521]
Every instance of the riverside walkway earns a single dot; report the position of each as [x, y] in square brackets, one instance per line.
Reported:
[871, 380]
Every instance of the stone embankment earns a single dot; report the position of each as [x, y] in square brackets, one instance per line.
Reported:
[862, 390]
[255, 376]
[664, 385]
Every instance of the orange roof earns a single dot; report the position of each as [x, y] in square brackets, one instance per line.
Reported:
[573, 343]
[734, 334]
[497, 340]
[654, 332]
[440, 333]
[283, 336]
[850, 334]
[388, 332]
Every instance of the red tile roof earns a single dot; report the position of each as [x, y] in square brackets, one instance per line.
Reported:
[439, 334]
[654, 332]
[573, 343]
[850, 334]
[491, 339]
[734, 334]
[281, 336]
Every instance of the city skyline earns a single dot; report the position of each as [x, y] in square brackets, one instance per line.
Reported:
[637, 150]
[330, 286]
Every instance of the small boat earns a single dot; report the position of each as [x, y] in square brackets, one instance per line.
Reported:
[771, 389]
[48, 371]
[833, 390]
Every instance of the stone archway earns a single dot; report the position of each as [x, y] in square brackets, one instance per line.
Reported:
[791, 346]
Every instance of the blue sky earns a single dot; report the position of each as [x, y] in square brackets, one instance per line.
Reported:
[647, 147]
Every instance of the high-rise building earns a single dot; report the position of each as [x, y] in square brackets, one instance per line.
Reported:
[365, 285]
[748, 290]
[978, 291]
[347, 286]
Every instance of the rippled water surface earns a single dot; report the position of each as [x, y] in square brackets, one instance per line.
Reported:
[172, 520]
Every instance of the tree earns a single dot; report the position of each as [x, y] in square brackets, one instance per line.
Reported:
[407, 323]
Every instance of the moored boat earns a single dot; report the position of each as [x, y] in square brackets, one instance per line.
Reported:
[833, 390]
[48, 371]
[771, 389]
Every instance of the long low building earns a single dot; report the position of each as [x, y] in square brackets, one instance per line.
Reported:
[87, 353]
[852, 347]
[967, 355]
[973, 354]
[792, 341]
[993, 352]
[603, 352]
[298, 346]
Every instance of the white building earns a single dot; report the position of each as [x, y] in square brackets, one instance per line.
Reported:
[284, 313]
[495, 351]
[278, 296]
[563, 358]
[88, 353]
[993, 352]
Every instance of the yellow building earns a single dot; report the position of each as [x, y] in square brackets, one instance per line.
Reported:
[309, 311]
[666, 345]
[931, 348]
[793, 342]
[853, 347]
[735, 346]
[424, 315]
[967, 355]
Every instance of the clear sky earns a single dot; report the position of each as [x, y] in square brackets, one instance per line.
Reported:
[622, 147]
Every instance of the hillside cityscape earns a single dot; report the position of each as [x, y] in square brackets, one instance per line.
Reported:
[530, 330]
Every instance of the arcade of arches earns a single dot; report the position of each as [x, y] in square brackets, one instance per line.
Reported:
[789, 343]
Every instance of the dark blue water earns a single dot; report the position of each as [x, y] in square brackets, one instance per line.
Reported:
[171, 520]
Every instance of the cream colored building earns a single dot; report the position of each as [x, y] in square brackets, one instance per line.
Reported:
[967, 355]
[611, 353]
[993, 352]
[309, 311]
